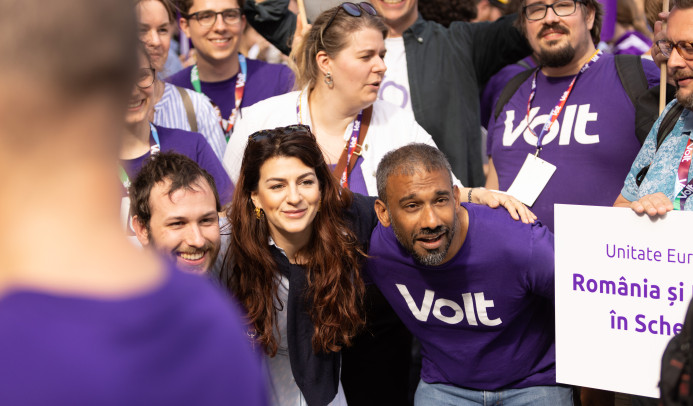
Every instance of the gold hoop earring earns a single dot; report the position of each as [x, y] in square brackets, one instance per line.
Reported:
[259, 214]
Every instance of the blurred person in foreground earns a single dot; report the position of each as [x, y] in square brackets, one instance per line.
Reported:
[86, 318]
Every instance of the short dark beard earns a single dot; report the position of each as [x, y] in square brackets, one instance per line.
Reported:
[431, 258]
[555, 57]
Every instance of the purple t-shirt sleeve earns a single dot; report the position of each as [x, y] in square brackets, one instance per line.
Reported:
[540, 275]
[208, 160]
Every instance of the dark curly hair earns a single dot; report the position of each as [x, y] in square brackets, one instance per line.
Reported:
[334, 292]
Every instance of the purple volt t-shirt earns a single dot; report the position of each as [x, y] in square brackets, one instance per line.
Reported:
[180, 344]
[592, 143]
[495, 85]
[485, 319]
[264, 80]
[194, 146]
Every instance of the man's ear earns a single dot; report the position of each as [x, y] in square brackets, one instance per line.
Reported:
[457, 194]
[382, 212]
[183, 23]
[140, 231]
[589, 18]
[243, 23]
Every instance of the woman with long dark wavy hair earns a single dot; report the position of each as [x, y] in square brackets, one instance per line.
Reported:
[297, 246]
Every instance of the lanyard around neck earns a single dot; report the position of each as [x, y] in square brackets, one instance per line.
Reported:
[350, 147]
[556, 111]
[154, 148]
[686, 187]
[226, 125]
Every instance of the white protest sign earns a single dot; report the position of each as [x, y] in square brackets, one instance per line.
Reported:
[623, 283]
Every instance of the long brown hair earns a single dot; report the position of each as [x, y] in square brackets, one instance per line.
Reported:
[334, 287]
[332, 41]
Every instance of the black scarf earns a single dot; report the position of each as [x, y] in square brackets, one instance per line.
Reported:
[317, 375]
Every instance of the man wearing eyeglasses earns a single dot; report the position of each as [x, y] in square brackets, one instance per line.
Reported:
[223, 74]
[581, 136]
[660, 188]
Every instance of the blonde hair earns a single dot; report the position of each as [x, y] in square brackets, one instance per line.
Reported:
[332, 41]
[627, 13]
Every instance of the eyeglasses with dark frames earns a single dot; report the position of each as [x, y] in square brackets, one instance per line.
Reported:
[207, 18]
[351, 9]
[562, 8]
[684, 48]
[291, 129]
[145, 77]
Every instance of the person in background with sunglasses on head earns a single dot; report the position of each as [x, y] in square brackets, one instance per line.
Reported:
[176, 107]
[297, 246]
[224, 75]
[662, 189]
[434, 73]
[142, 139]
[340, 68]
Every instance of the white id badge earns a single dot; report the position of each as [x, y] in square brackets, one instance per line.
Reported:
[531, 180]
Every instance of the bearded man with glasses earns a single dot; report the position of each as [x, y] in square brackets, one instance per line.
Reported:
[581, 137]
[660, 189]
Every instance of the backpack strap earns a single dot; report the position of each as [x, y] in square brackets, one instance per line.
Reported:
[668, 123]
[524, 64]
[510, 89]
[645, 100]
[632, 75]
[665, 126]
[189, 110]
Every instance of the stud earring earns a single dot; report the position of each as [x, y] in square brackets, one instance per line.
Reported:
[259, 214]
[328, 79]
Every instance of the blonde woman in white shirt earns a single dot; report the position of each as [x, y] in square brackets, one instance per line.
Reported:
[339, 68]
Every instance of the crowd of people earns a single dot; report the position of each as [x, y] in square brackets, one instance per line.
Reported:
[370, 222]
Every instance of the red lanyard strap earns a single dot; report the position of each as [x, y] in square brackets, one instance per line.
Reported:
[226, 125]
[682, 180]
[556, 111]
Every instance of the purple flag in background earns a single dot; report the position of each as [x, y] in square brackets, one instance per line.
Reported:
[609, 20]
